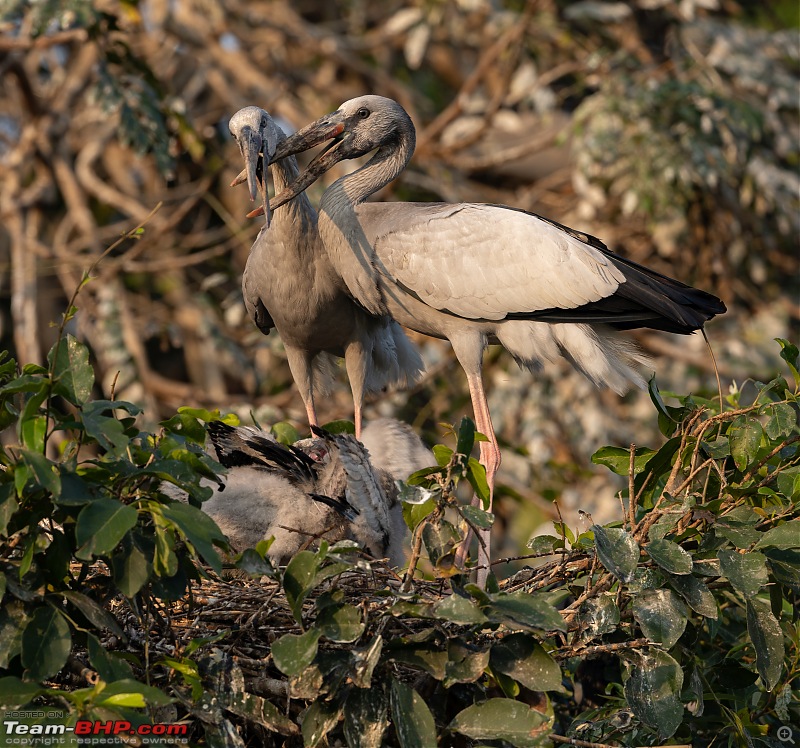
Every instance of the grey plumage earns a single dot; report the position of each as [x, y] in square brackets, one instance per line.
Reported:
[290, 284]
[326, 486]
[396, 448]
[477, 274]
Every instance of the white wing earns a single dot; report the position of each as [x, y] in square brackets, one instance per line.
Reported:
[485, 261]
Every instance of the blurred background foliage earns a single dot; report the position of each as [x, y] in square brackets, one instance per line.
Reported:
[668, 129]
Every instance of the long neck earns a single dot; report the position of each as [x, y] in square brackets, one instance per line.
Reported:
[389, 160]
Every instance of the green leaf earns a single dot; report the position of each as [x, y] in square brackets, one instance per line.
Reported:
[43, 471]
[464, 664]
[459, 610]
[293, 653]
[744, 437]
[101, 525]
[100, 423]
[110, 667]
[15, 693]
[413, 514]
[13, 620]
[696, 594]
[747, 572]
[790, 354]
[424, 656]
[131, 569]
[285, 433]
[466, 436]
[789, 483]
[412, 719]
[478, 517]
[618, 459]
[199, 529]
[73, 375]
[476, 475]
[256, 565]
[318, 720]
[132, 693]
[667, 417]
[719, 449]
[340, 426]
[8, 506]
[503, 719]
[340, 623]
[365, 718]
[653, 690]
[783, 536]
[617, 551]
[441, 540]
[521, 657]
[544, 543]
[767, 638]
[442, 454]
[210, 415]
[96, 614]
[600, 614]
[46, 643]
[298, 581]
[259, 710]
[365, 660]
[165, 561]
[782, 421]
[187, 426]
[522, 610]
[32, 433]
[670, 556]
[661, 615]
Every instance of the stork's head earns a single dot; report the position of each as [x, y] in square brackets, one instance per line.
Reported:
[357, 127]
[257, 136]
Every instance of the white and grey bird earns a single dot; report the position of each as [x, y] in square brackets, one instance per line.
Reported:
[476, 273]
[324, 487]
[290, 284]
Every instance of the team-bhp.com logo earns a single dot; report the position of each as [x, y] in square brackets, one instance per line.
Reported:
[92, 731]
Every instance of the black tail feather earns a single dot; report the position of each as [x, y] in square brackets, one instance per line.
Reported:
[646, 299]
[241, 447]
[342, 506]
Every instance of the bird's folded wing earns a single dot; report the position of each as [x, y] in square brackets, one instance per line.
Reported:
[363, 489]
[251, 290]
[486, 261]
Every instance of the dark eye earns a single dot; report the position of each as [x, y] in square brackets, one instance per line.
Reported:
[363, 112]
[263, 122]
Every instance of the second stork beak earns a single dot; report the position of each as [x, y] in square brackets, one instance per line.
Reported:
[302, 140]
[252, 146]
[251, 150]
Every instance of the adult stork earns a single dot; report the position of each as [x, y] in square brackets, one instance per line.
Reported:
[290, 284]
[477, 274]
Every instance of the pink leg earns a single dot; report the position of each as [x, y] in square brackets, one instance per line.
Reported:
[490, 458]
[355, 361]
[311, 412]
[357, 417]
[300, 365]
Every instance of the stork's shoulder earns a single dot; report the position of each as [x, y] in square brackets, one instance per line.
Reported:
[386, 219]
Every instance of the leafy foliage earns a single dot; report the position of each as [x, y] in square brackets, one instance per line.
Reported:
[674, 625]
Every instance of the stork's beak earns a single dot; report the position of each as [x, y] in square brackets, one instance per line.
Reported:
[309, 136]
[250, 143]
[323, 129]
